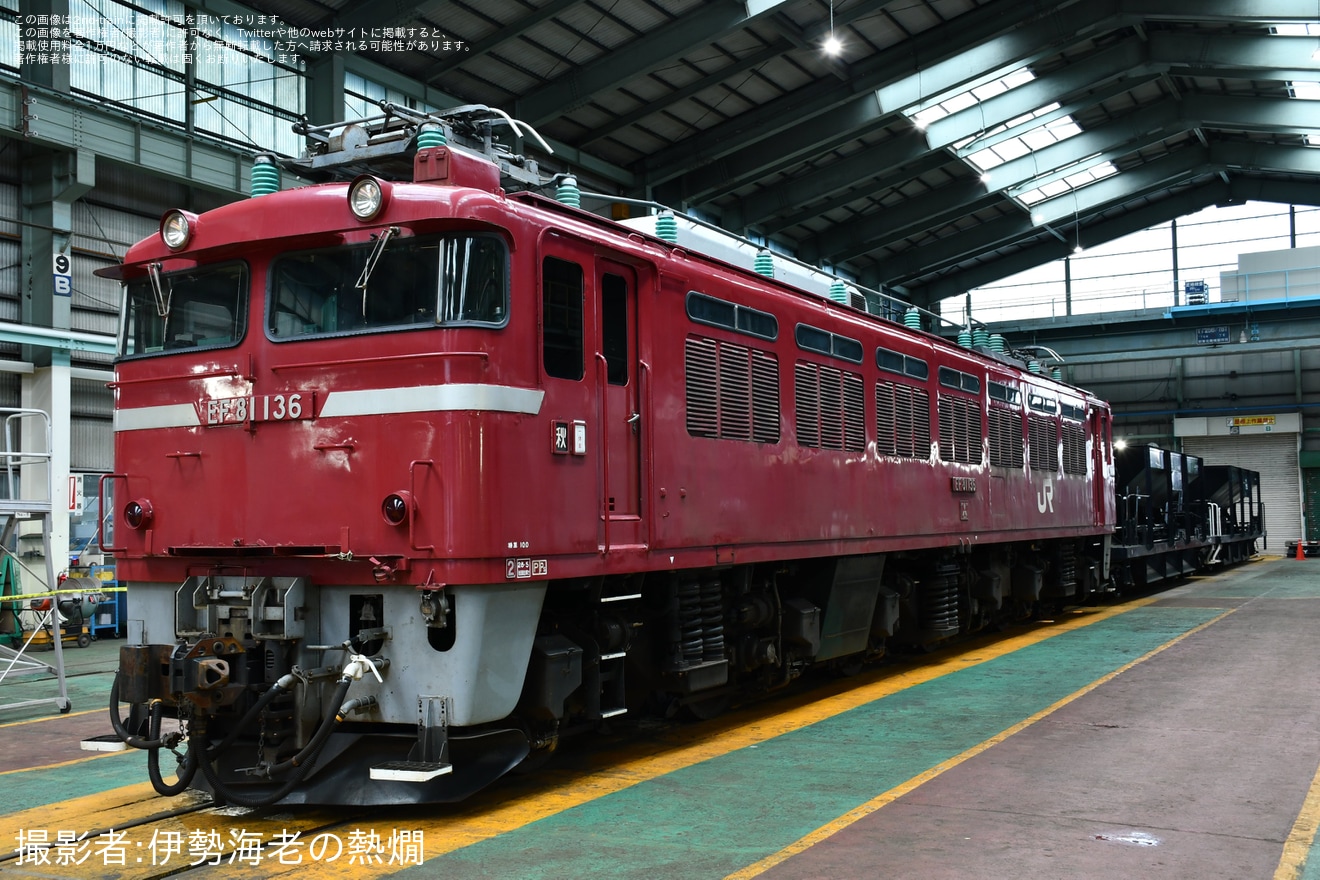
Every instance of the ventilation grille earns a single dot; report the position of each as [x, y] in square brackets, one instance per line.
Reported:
[1041, 437]
[1005, 438]
[829, 408]
[960, 430]
[1074, 449]
[903, 420]
[732, 392]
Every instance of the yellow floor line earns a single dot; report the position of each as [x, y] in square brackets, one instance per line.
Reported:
[90, 756]
[917, 781]
[1298, 844]
[51, 717]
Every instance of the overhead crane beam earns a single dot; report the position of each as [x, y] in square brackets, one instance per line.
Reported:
[1103, 75]
[937, 62]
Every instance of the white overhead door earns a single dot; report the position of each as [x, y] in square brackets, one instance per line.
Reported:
[1274, 456]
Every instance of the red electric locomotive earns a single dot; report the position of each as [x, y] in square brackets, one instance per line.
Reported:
[415, 477]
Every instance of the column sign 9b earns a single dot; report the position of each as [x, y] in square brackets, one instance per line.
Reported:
[63, 275]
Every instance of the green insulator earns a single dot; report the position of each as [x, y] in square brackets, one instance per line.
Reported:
[839, 291]
[765, 264]
[997, 343]
[981, 337]
[568, 192]
[912, 319]
[431, 135]
[666, 227]
[965, 338]
[1033, 366]
[265, 176]
[1056, 374]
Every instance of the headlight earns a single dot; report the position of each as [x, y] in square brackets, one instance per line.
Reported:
[176, 228]
[138, 514]
[366, 197]
[397, 507]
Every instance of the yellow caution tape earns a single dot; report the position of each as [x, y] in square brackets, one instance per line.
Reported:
[47, 593]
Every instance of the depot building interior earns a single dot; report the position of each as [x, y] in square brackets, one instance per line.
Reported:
[915, 149]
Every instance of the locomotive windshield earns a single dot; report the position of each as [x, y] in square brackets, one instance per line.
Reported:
[202, 307]
[452, 279]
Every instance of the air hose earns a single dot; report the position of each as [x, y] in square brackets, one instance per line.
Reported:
[300, 763]
[187, 764]
[153, 744]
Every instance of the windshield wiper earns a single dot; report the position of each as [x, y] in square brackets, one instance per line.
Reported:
[372, 259]
[158, 290]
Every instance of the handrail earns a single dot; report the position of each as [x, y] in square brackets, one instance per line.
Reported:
[412, 494]
[602, 383]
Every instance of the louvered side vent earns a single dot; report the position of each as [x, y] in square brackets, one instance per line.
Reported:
[700, 365]
[918, 404]
[1041, 437]
[903, 420]
[1074, 449]
[973, 441]
[1005, 438]
[854, 413]
[806, 404]
[732, 391]
[831, 408]
[960, 430]
[946, 429]
[735, 384]
[765, 397]
[905, 412]
[886, 429]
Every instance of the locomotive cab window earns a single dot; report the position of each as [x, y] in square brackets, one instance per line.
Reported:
[614, 328]
[196, 308]
[561, 318]
[389, 282]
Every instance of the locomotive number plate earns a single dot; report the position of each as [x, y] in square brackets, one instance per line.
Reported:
[257, 408]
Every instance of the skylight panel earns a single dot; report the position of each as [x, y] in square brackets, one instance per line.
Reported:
[1018, 137]
[1304, 91]
[969, 98]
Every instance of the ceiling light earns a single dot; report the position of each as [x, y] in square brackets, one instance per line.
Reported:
[832, 46]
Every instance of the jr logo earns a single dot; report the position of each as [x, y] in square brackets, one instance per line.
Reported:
[1045, 498]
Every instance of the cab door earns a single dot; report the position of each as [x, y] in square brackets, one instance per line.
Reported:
[619, 379]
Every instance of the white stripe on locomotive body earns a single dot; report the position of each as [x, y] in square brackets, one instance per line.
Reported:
[150, 418]
[366, 402]
[433, 398]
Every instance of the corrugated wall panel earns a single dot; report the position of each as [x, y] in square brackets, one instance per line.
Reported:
[11, 389]
[1274, 456]
[91, 445]
[90, 398]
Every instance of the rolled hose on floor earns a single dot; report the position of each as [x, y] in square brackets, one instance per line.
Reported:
[300, 763]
